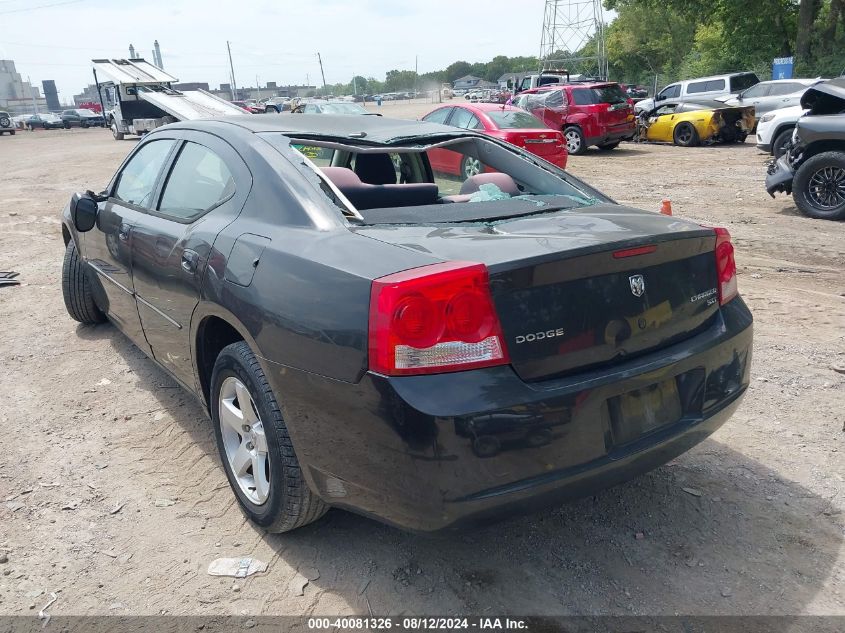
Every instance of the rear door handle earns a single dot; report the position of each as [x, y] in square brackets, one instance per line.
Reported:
[190, 259]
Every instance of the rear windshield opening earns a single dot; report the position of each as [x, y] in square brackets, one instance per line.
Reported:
[471, 180]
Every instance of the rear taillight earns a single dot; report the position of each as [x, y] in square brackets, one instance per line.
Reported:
[725, 266]
[434, 319]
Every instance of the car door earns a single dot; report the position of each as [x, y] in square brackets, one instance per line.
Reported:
[107, 248]
[203, 190]
[757, 96]
[662, 123]
[782, 95]
[440, 159]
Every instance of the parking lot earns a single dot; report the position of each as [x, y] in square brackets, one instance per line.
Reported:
[114, 498]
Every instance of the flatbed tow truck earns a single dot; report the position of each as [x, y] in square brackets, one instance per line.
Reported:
[137, 97]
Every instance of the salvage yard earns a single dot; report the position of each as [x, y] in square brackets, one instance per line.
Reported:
[114, 499]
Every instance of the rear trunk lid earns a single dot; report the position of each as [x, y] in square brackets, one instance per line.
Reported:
[569, 290]
[541, 142]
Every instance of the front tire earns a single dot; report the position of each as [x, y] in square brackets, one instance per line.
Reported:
[255, 447]
[685, 135]
[117, 134]
[574, 140]
[780, 143]
[76, 289]
[819, 186]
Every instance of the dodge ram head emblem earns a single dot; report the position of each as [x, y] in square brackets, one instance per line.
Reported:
[637, 285]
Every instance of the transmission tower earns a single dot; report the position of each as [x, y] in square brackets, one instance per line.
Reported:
[568, 26]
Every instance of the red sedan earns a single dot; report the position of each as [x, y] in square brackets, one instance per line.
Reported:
[510, 124]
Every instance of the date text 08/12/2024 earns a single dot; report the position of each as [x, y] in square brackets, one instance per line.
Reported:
[416, 623]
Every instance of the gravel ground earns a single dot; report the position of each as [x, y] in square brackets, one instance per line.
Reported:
[100, 442]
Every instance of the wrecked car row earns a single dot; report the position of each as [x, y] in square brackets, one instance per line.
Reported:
[812, 168]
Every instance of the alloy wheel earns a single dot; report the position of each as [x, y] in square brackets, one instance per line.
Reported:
[244, 440]
[472, 167]
[826, 189]
[684, 135]
[573, 141]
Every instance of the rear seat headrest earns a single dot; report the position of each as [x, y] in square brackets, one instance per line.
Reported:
[502, 181]
[366, 196]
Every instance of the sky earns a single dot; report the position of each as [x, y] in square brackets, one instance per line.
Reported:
[271, 40]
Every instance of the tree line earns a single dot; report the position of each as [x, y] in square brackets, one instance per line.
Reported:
[667, 40]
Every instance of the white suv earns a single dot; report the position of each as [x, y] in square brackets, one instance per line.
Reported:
[774, 130]
[707, 88]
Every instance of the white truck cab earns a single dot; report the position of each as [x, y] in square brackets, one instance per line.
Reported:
[137, 98]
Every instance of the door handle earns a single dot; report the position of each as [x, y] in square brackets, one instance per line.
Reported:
[190, 259]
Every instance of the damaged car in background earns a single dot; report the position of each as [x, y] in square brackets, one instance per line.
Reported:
[688, 123]
[430, 350]
[813, 167]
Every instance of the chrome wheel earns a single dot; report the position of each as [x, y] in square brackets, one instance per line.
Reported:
[472, 167]
[826, 189]
[573, 141]
[244, 441]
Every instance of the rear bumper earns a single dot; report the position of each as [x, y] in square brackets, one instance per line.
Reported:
[433, 452]
[779, 177]
[613, 135]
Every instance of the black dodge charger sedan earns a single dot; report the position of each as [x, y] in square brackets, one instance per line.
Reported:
[369, 333]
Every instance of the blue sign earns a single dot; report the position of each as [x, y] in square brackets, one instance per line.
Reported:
[782, 67]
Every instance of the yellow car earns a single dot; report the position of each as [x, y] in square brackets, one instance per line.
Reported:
[688, 124]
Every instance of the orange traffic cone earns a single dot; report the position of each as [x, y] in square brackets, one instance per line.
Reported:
[666, 206]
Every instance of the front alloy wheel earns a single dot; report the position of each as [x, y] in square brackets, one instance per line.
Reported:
[819, 186]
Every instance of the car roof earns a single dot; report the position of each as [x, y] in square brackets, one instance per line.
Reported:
[373, 130]
[575, 84]
[722, 76]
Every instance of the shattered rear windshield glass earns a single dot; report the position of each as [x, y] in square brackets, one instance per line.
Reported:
[428, 180]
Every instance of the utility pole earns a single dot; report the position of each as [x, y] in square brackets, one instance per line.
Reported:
[258, 86]
[320, 59]
[233, 86]
[354, 85]
[416, 73]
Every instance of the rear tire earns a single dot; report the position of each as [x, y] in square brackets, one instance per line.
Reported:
[819, 186]
[574, 140]
[609, 146]
[781, 141]
[118, 135]
[685, 135]
[470, 167]
[256, 430]
[76, 289]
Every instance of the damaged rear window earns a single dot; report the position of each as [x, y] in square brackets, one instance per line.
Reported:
[472, 179]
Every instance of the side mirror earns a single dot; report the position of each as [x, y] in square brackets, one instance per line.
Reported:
[83, 210]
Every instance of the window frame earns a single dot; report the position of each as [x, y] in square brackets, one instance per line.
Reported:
[164, 179]
[168, 159]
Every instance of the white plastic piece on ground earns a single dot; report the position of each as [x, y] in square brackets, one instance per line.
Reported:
[236, 567]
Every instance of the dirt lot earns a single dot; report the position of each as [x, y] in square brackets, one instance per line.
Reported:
[749, 522]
